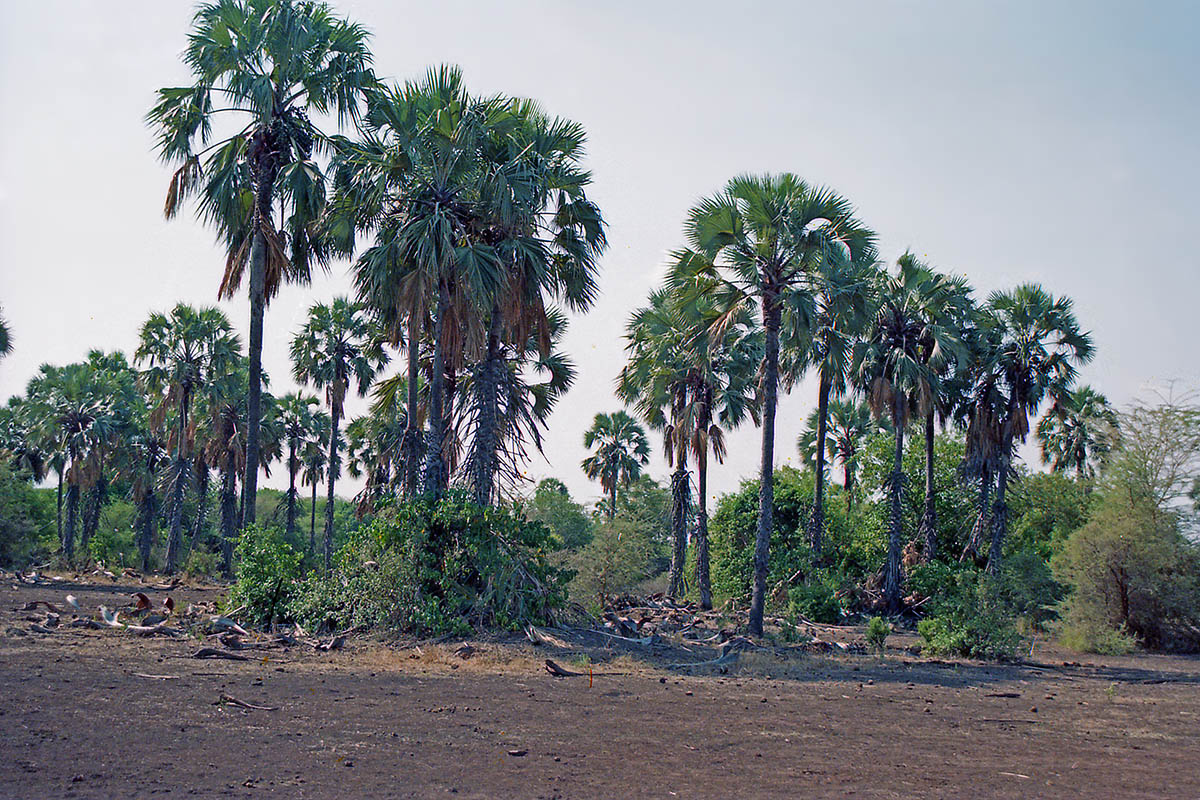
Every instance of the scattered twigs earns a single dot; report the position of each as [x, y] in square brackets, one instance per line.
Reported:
[233, 701]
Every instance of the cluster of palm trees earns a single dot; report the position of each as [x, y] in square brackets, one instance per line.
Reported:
[476, 217]
[779, 279]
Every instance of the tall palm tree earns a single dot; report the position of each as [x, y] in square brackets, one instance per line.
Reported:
[337, 346]
[621, 451]
[184, 351]
[118, 383]
[691, 382]
[261, 67]
[755, 247]
[296, 421]
[897, 366]
[843, 301]
[1079, 430]
[373, 450]
[421, 181]
[76, 416]
[1038, 347]
[315, 459]
[141, 462]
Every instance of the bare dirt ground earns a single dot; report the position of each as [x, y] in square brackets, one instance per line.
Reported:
[91, 713]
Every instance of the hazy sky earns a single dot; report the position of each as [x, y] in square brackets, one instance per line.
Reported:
[1046, 141]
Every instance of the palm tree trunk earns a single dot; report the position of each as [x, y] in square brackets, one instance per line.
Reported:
[703, 578]
[679, 502]
[312, 522]
[265, 171]
[91, 516]
[68, 542]
[612, 500]
[848, 484]
[816, 527]
[202, 481]
[229, 517]
[983, 520]
[766, 490]
[60, 505]
[485, 444]
[181, 465]
[435, 453]
[411, 443]
[146, 514]
[928, 527]
[335, 417]
[891, 580]
[1000, 511]
[293, 467]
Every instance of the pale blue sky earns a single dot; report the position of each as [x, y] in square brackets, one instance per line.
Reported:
[1047, 141]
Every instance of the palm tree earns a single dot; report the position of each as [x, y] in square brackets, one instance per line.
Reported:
[296, 421]
[337, 346]
[688, 383]
[1079, 430]
[897, 365]
[843, 303]
[5, 337]
[315, 459]
[118, 383]
[184, 351]
[1038, 346]
[142, 460]
[260, 68]
[621, 451]
[755, 247]
[76, 415]
[373, 450]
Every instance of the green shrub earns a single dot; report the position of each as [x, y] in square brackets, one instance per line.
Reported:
[878, 631]
[27, 528]
[202, 564]
[1085, 635]
[268, 572]
[432, 568]
[816, 600]
[620, 555]
[972, 621]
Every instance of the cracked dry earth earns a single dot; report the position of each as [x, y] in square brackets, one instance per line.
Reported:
[102, 713]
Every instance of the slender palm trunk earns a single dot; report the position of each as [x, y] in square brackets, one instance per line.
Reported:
[928, 527]
[411, 443]
[202, 481]
[60, 505]
[293, 468]
[1000, 511]
[265, 170]
[703, 578]
[229, 517]
[983, 520]
[848, 483]
[612, 500]
[312, 521]
[435, 453]
[174, 537]
[68, 542]
[335, 418]
[147, 511]
[891, 579]
[91, 516]
[484, 446]
[679, 503]
[766, 490]
[816, 527]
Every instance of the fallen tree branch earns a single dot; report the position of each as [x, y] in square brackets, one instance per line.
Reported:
[233, 701]
[212, 652]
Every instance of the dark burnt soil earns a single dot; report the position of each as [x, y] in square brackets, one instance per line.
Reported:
[104, 713]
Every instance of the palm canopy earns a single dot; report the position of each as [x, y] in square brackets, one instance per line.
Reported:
[336, 347]
[621, 450]
[260, 68]
[1038, 347]
[1080, 430]
[5, 337]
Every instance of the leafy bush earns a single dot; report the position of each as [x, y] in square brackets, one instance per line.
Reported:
[972, 621]
[201, 564]
[433, 568]
[620, 555]
[816, 600]
[26, 519]
[878, 631]
[268, 572]
[1084, 635]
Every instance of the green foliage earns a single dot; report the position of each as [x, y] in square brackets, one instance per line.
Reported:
[816, 599]
[201, 564]
[878, 630]
[855, 543]
[113, 542]
[268, 574]
[1133, 574]
[972, 620]
[620, 555]
[1085, 634]
[433, 567]
[552, 506]
[27, 527]
[1044, 509]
